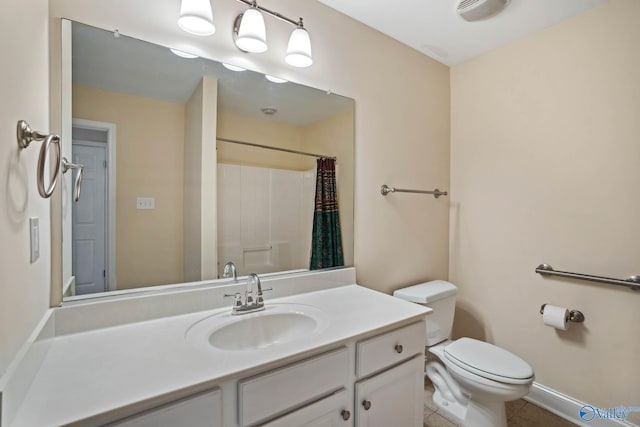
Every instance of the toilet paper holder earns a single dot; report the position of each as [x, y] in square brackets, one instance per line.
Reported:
[574, 315]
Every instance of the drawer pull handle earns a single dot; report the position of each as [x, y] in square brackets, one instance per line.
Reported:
[366, 404]
[399, 348]
[345, 414]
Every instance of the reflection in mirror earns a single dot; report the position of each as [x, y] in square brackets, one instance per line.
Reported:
[189, 165]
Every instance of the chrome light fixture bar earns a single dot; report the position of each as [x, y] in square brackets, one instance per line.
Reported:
[250, 35]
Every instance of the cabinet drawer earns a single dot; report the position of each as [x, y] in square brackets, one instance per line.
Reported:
[332, 411]
[202, 410]
[384, 350]
[273, 393]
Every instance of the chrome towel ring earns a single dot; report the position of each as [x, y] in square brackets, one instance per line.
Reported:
[25, 137]
[66, 165]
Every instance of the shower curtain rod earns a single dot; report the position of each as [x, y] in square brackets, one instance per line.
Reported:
[268, 147]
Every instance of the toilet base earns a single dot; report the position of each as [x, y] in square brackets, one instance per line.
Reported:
[474, 413]
[454, 410]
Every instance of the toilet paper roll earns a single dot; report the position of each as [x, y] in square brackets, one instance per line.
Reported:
[556, 317]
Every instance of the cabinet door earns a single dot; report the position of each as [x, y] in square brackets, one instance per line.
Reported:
[269, 394]
[392, 398]
[332, 411]
[197, 411]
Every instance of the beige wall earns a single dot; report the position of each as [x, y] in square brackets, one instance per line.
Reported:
[333, 136]
[24, 290]
[200, 188]
[149, 141]
[544, 153]
[402, 118]
[261, 131]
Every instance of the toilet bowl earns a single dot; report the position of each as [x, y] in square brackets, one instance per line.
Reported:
[472, 379]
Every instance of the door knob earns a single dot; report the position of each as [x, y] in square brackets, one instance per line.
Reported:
[398, 348]
[345, 414]
[366, 404]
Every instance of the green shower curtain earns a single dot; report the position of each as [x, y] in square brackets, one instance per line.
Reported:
[326, 239]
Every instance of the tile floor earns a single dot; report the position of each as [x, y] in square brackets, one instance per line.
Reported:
[520, 413]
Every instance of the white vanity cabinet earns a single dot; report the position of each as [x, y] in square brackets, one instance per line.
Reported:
[201, 410]
[391, 394]
[365, 346]
[374, 382]
[386, 385]
[392, 398]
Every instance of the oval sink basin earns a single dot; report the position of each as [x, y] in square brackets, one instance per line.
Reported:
[262, 331]
[277, 324]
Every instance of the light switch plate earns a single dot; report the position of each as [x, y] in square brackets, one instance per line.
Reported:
[34, 234]
[145, 203]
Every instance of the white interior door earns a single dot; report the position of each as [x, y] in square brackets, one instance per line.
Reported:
[89, 219]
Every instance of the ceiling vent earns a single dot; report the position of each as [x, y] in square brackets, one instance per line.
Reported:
[476, 10]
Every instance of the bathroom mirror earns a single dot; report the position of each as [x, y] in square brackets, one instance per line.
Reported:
[180, 172]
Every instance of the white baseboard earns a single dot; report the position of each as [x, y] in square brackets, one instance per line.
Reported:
[568, 408]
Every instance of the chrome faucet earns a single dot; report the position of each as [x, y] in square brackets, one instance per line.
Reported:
[230, 270]
[250, 304]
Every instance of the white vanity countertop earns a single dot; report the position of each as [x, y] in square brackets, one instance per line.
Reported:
[95, 372]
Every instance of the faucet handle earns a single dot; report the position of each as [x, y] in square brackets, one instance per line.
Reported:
[260, 299]
[237, 298]
[249, 298]
[237, 302]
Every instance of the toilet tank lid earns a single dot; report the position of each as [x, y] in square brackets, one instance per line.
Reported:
[424, 293]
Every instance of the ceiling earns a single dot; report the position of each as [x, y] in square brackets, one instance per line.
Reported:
[433, 27]
[128, 65]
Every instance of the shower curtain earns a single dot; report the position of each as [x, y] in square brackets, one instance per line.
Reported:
[326, 239]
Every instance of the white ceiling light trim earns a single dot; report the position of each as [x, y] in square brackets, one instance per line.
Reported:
[183, 54]
[196, 17]
[275, 79]
[233, 67]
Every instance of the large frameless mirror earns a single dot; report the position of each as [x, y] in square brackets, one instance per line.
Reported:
[189, 165]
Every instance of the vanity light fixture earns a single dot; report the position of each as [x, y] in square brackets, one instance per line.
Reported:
[233, 67]
[196, 17]
[183, 54]
[299, 48]
[275, 79]
[249, 33]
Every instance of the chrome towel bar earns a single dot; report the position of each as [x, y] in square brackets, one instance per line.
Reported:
[632, 282]
[385, 189]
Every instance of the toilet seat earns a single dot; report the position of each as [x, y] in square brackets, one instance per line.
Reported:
[488, 361]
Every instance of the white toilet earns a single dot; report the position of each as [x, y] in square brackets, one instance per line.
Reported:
[474, 378]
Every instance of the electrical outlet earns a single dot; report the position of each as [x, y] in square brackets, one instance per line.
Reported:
[145, 203]
[34, 233]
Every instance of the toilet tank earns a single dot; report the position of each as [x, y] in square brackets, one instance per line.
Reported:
[440, 296]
